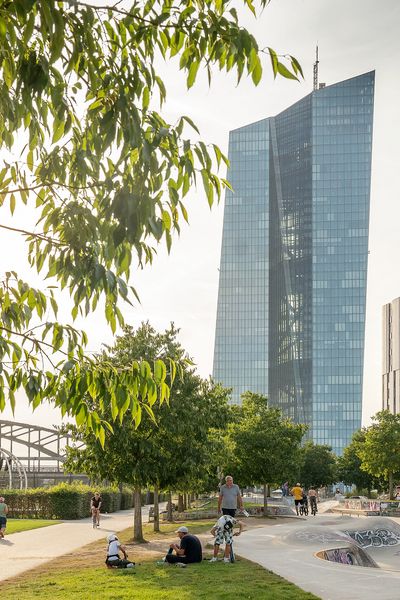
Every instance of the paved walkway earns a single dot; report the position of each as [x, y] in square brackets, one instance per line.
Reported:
[26, 550]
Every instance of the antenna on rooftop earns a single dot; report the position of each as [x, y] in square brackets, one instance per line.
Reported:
[315, 69]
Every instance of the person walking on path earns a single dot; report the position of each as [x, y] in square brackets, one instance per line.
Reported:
[3, 517]
[229, 497]
[188, 551]
[297, 493]
[223, 532]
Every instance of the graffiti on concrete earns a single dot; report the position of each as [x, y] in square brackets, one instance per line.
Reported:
[349, 556]
[375, 537]
[340, 555]
[318, 536]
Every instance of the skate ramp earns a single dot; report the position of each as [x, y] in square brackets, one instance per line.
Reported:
[368, 542]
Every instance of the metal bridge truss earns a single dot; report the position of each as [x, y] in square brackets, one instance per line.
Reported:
[37, 448]
[12, 471]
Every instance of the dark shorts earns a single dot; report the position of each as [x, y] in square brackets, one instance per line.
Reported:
[119, 563]
[229, 511]
[297, 502]
[3, 522]
[173, 558]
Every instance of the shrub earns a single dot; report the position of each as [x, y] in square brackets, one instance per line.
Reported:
[63, 501]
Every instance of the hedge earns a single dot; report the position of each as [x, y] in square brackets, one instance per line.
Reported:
[63, 501]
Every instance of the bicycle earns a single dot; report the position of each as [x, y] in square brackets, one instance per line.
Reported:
[303, 510]
[95, 517]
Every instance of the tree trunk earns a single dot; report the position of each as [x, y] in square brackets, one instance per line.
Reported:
[185, 502]
[169, 508]
[156, 510]
[189, 501]
[391, 495]
[181, 507]
[265, 509]
[137, 519]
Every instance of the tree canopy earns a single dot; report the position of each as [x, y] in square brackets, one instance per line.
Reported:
[264, 445]
[318, 466]
[178, 452]
[349, 464]
[380, 452]
[105, 175]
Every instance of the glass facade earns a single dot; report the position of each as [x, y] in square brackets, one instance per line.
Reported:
[292, 291]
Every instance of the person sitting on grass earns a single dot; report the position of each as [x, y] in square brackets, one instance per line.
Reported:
[223, 532]
[113, 557]
[3, 517]
[188, 551]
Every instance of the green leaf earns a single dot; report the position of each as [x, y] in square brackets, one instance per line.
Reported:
[12, 203]
[191, 78]
[284, 71]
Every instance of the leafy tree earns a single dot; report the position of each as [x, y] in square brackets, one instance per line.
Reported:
[105, 174]
[380, 452]
[318, 466]
[175, 451]
[265, 446]
[349, 465]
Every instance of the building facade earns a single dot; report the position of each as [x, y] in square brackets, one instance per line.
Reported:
[293, 273]
[391, 357]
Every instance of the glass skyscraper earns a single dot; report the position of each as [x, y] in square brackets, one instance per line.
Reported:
[293, 275]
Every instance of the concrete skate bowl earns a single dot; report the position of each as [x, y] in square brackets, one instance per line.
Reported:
[380, 538]
[368, 542]
[348, 555]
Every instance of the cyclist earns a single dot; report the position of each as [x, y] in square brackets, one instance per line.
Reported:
[313, 496]
[95, 505]
[297, 493]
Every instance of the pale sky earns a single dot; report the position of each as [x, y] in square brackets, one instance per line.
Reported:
[354, 37]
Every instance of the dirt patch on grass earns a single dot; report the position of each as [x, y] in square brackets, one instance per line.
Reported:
[93, 555]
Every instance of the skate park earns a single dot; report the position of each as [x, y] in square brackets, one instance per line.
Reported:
[330, 555]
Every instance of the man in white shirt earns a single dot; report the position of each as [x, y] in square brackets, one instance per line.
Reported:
[223, 532]
[113, 557]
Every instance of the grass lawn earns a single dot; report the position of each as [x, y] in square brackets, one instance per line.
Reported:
[83, 576]
[16, 525]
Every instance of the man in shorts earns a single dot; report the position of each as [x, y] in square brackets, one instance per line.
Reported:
[229, 497]
[297, 493]
[223, 532]
[3, 517]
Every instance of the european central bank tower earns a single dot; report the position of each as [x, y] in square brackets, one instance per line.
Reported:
[293, 274]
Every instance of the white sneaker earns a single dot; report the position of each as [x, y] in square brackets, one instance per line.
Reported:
[180, 564]
[130, 566]
[227, 560]
[213, 559]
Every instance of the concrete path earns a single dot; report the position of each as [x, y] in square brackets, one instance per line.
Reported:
[275, 548]
[26, 550]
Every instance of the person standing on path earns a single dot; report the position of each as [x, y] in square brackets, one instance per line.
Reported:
[229, 497]
[3, 517]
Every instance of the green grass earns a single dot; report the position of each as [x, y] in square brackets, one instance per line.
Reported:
[74, 578]
[17, 525]
[205, 581]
